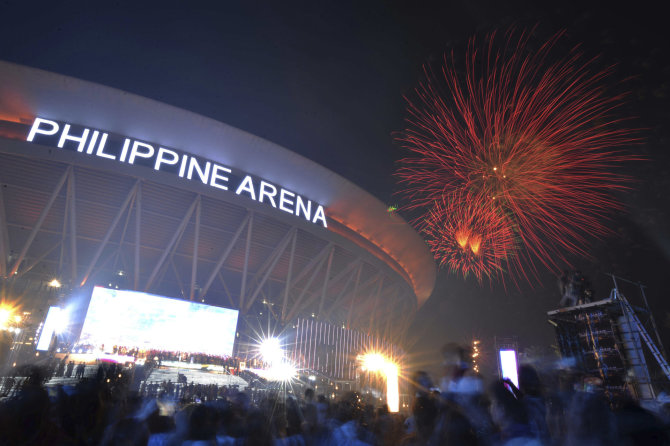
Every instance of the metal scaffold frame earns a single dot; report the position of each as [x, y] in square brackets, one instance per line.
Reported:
[606, 338]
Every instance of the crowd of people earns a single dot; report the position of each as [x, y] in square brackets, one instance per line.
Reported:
[186, 392]
[228, 362]
[458, 409]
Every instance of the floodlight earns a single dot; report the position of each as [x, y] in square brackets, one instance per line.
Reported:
[55, 283]
[270, 350]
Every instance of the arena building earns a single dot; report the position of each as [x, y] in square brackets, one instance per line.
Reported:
[103, 187]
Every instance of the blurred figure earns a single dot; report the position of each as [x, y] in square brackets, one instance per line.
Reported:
[638, 426]
[510, 416]
[464, 388]
[348, 415]
[455, 363]
[421, 383]
[533, 401]
[127, 432]
[590, 421]
[202, 427]
[454, 428]
[423, 421]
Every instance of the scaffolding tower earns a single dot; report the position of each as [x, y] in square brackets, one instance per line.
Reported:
[605, 339]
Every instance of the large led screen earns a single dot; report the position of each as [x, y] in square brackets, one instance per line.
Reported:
[146, 321]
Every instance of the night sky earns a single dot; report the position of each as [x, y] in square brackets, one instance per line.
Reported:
[327, 79]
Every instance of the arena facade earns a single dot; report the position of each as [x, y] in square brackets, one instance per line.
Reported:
[99, 186]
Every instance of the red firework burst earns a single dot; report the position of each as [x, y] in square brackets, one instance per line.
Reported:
[469, 236]
[529, 133]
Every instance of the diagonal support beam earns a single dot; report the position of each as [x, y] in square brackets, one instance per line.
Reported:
[307, 268]
[275, 256]
[288, 276]
[4, 237]
[245, 268]
[363, 309]
[73, 227]
[112, 256]
[322, 260]
[370, 282]
[224, 255]
[326, 281]
[40, 220]
[316, 259]
[108, 235]
[375, 306]
[168, 248]
[180, 284]
[196, 241]
[166, 264]
[63, 236]
[354, 295]
[351, 269]
[37, 260]
[387, 307]
[138, 233]
[225, 289]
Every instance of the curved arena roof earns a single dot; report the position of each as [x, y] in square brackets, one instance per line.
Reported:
[61, 207]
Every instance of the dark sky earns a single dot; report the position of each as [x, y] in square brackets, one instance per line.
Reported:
[326, 80]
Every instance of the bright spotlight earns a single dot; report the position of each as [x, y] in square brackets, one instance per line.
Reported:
[5, 315]
[376, 362]
[270, 350]
[373, 362]
[55, 283]
[61, 322]
[282, 371]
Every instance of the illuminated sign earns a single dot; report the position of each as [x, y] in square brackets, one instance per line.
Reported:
[131, 151]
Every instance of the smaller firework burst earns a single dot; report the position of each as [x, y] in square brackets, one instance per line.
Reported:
[469, 235]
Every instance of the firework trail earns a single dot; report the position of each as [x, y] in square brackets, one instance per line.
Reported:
[529, 133]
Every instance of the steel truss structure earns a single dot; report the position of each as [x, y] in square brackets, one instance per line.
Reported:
[85, 226]
[605, 339]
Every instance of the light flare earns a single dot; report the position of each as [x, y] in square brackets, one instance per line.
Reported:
[378, 363]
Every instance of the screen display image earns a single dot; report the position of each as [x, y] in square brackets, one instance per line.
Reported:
[508, 366]
[135, 319]
[51, 324]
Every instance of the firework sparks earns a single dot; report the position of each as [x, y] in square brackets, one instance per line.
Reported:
[516, 158]
[469, 236]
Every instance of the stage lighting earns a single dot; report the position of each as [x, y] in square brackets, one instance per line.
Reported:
[376, 362]
[282, 371]
[373, 362]
[62, 321]
[5, 315]
[270, 350]
[55, 283]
